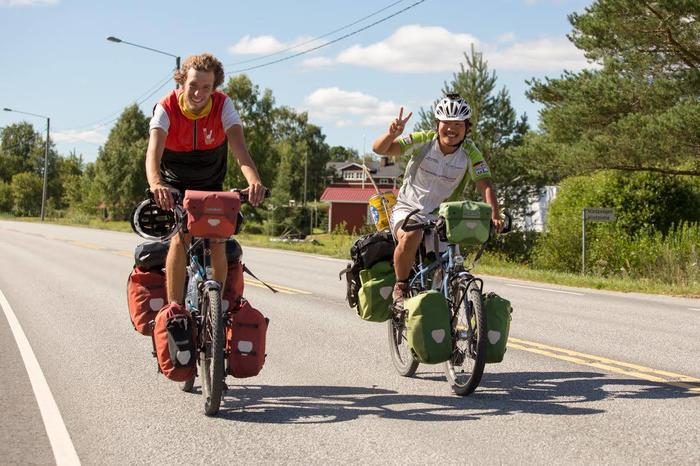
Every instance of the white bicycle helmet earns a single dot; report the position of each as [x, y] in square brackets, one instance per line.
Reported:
[153, 223]
[453, 108]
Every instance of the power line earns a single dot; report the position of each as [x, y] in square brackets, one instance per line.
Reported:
[315, 38]
[329, 42]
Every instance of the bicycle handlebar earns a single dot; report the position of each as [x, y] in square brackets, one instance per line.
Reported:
[430, 224]
[178, 196]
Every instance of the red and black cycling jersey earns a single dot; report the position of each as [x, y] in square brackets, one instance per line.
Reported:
[195, 154]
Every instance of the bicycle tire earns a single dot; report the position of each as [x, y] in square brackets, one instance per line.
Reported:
[401, 355]
[212, 354]
[469, 339]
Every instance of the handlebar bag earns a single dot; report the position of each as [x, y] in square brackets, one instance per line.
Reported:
[151, 255]
[428, 327]
[174, 338]
[245, 341]
[146, 295]
[374, 297]
[498, 312]
[212, 214]
[466, 222]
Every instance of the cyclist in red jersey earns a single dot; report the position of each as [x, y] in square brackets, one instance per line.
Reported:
[187, 149]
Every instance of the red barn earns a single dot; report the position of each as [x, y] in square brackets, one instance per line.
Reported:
[350, 189]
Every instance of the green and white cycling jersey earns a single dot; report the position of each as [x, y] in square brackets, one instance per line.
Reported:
[438, 175]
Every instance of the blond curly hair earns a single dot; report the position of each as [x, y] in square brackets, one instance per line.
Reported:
[201, 62]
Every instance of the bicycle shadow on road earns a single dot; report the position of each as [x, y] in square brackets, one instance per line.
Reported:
[510, 393]
[561, 392]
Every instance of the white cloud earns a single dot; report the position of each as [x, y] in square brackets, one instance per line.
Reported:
[71, 135]
[507, 37]
[266, 44]
[349, 108]
[537, 55]
[431, 49]
[412, 49]
[11, 3]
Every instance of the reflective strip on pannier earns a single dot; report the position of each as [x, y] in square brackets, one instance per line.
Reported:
[467, 222]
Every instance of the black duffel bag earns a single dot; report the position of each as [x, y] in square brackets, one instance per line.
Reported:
[365, 252]
[151, 255]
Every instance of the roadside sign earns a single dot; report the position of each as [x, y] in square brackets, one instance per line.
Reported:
[599, 214]
[593, 214]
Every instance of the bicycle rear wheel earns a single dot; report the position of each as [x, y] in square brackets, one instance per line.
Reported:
[212, 354]
[401, 354]
[466, 366]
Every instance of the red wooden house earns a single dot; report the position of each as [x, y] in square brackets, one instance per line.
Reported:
[349, 190]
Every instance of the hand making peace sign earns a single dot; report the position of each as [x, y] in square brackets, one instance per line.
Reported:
[399, 124]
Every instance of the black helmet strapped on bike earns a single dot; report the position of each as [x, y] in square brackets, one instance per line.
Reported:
[151, 222]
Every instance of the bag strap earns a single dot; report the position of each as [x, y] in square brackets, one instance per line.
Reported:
[417, 159]
[247, 270]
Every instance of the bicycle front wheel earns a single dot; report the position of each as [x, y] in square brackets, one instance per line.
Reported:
[466, 365]
[212, 354]
[401, 354]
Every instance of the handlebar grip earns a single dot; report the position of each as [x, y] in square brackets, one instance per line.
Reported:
[244, 196]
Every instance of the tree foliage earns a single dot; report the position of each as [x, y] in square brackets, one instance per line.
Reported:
[640, 110]
[26, 194]
[120, 174]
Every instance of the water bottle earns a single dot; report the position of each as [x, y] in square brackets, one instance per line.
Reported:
[191, 299]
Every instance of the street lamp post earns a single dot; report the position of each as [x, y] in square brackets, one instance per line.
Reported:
[176, 57]
[46, 157]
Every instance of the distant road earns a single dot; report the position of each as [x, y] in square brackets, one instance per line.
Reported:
[590, 376]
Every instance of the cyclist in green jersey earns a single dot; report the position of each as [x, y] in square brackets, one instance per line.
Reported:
[444, 157]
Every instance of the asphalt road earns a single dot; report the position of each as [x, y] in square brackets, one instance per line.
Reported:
[590, 377]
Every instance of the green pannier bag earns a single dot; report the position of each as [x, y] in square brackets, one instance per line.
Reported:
[428, 327]
[498, 315]
[374, 297]
[467, 222]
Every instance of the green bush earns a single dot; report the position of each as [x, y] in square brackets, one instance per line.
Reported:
[643, 241]
[26, 194]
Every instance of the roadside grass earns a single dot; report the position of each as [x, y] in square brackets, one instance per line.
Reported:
[338, 246]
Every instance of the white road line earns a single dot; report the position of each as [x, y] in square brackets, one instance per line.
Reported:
[694, 308]
[545, 289]
[61, 444]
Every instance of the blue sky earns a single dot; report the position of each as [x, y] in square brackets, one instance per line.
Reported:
[57, 61]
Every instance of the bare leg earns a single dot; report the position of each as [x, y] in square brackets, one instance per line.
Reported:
[175, 265]
[219, 262]
[405, 252]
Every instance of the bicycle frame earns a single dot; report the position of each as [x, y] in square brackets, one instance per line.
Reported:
[446, 262]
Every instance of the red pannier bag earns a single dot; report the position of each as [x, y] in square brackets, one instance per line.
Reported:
[211, 214]
[233, 290]
[174, 339]
[146, 295]
[245, 341]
